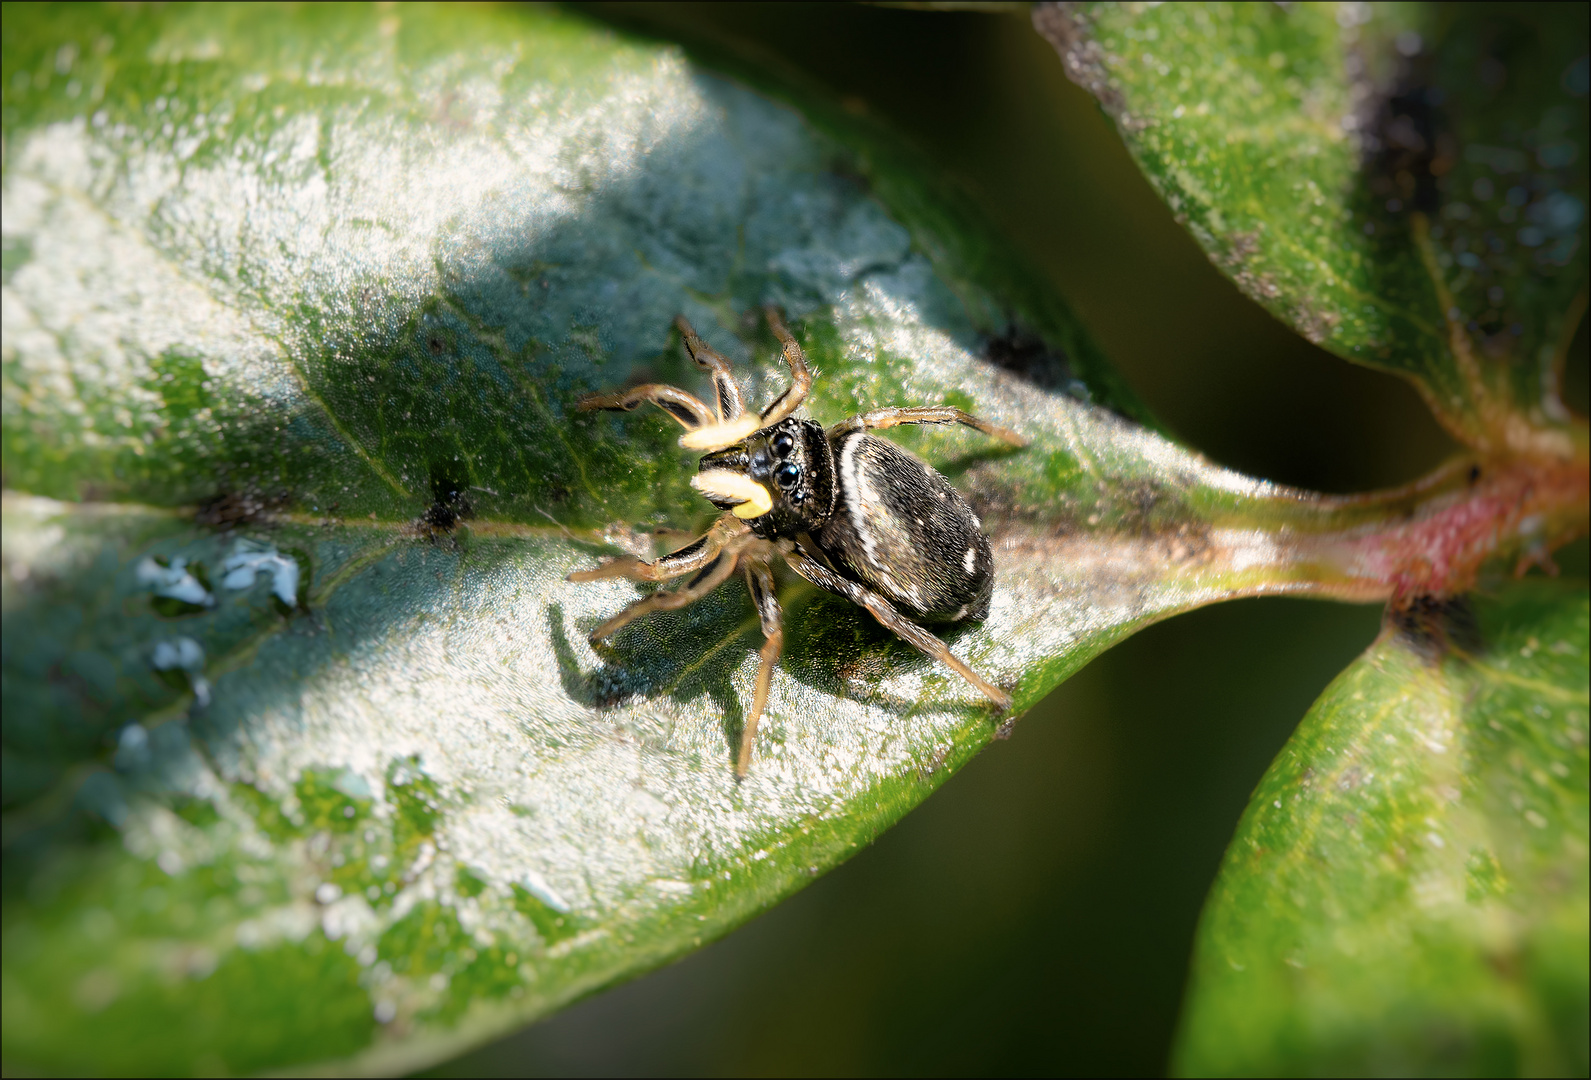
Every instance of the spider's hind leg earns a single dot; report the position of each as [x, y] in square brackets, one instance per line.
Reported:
[878, 419]
[893, 621]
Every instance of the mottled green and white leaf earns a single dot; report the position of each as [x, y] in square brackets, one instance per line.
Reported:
[1440, 787]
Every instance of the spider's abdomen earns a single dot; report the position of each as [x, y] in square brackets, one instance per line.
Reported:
[899, 528]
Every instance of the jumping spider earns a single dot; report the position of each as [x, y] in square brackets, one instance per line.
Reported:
[854, 515]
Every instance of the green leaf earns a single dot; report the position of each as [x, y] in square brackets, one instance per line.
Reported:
[1408, 890]
[306, 757]
[1405, 184]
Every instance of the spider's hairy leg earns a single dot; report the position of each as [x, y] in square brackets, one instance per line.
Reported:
[759, 579]
[926, 414]
[730, 406]
[800, 377]
[686, 408]
[694, 556]
[893, 621]
[711, 576]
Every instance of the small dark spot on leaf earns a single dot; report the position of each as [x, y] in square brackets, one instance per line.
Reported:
[1432, 625]
[450, 500]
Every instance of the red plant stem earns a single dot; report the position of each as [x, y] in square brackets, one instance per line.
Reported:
[1433, 537]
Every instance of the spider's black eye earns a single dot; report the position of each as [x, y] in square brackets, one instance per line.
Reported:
[787, 474]
[783, 443]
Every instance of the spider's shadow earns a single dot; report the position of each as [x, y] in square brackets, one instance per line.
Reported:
[961, 464]
[683, 654]
[831, 646]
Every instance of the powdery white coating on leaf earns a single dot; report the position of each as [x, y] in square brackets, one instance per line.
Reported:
[96, 302]
[298, 214]
[250, 559]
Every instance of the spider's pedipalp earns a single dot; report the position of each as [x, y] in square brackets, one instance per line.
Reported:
[754, 498]
[718, 436]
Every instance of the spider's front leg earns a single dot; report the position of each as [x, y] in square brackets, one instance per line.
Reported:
[735, 424]
[686, 408]
[712, 558]
[693, 414]
[800, 375]
[725, 389]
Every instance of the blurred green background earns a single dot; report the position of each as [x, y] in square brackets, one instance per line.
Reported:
[1036, 915]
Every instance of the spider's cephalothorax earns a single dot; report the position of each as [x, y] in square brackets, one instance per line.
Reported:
[851, 513]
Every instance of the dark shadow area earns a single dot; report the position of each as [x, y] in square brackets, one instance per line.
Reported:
[1028, 356]
[962, 464]
[831, 645]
